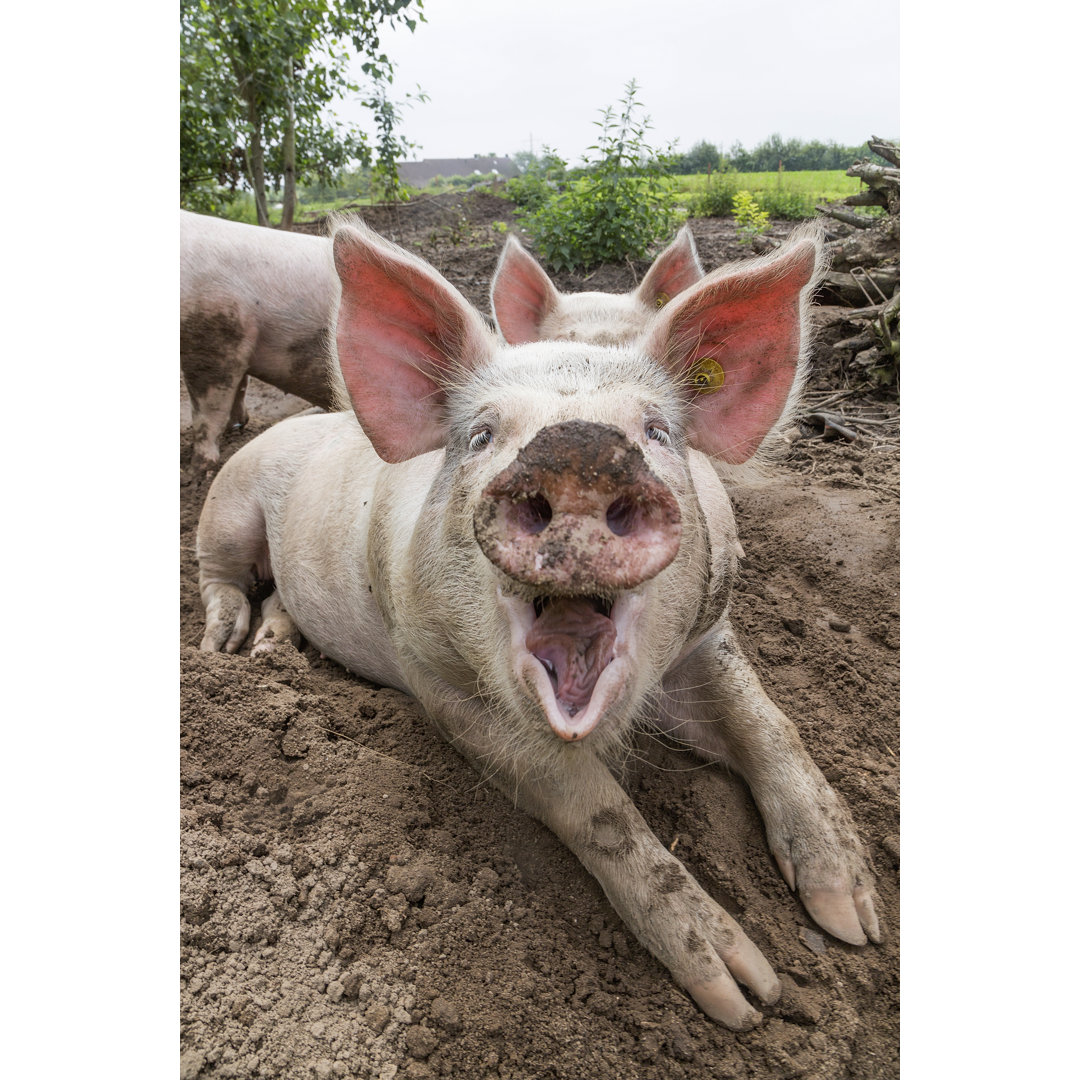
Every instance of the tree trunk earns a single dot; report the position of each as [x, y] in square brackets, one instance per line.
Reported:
[288, 153]
[256, 165]
[258, 178]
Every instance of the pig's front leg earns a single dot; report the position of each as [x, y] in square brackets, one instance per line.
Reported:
[714, 703]
[575, 795]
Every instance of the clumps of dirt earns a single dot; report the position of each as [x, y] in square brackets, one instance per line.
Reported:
[356, 902]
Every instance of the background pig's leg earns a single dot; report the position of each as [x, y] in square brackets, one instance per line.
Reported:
[714, 704]
[574, 795]
[238, 414]
[215, 367]
[276, 626]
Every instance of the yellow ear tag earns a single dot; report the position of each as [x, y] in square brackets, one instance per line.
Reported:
[661, 299]
[706, 375]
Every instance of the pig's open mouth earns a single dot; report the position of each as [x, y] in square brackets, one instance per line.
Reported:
[575, 640]
[572, 652]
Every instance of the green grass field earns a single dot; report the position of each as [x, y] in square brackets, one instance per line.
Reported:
[781, 194]
[784, 194]
[825, 186]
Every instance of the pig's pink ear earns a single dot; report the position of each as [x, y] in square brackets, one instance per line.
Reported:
[522, 295]
[403, 334]
[737, 343]
[675, 268]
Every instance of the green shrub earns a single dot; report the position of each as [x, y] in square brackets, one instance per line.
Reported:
[717, 200]
[538, 183]
[789, 205]
[619, 209]
[750, 219]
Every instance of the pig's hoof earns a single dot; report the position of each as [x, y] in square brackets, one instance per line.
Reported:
[839, 899]
[277, 627]
[228, 616]
[718, 995]
[272, 641]
[847, 914]
[707, 953]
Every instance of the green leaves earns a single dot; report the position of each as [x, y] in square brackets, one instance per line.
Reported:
[618, 210]
[260, 75]
[750, 219]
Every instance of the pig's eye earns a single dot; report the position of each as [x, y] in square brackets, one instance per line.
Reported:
[658, 434]
[480, 439]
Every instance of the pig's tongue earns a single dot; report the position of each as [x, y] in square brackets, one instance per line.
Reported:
[577, 642]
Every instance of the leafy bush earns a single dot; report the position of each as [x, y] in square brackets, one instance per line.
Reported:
[789, 205]
[619, 209]
[717, 200]
[538, 183]
[209, 199]
[750, 219]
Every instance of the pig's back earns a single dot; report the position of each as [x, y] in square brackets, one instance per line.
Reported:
[266, 267]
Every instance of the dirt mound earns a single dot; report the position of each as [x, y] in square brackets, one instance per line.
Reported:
[356, 903]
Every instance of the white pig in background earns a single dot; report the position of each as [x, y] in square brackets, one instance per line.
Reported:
[253, 301]
[528, 307]
[532, 542]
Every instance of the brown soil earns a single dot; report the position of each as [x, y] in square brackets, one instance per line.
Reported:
[355, 903]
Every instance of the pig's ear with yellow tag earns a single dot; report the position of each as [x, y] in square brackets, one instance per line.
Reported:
[737, 343]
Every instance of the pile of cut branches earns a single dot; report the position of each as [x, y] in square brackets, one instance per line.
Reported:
[864, 252]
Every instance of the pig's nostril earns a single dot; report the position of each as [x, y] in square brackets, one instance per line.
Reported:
[532, 515]
[622, 515]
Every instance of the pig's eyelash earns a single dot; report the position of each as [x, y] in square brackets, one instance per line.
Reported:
[479, 439]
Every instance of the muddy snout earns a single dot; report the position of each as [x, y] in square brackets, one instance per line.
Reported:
[578, 511]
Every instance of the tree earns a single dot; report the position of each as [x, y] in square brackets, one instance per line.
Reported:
[793, 154]
[256, 80]
[702, 157]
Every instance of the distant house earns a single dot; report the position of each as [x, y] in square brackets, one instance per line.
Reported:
[419, 173]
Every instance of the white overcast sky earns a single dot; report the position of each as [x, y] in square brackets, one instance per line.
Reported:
[504, 75]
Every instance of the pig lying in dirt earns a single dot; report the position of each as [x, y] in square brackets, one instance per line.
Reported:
[528, 307]
[253, 301]
[531, 541]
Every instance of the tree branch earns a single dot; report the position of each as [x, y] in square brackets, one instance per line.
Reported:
[860, 221]
[875, 175]
[889, 151]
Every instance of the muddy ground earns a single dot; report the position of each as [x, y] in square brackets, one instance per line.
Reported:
[354, 903]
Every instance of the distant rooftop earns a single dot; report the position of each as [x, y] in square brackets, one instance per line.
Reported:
[419, 173]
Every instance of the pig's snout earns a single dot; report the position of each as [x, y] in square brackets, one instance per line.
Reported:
[578, 511]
